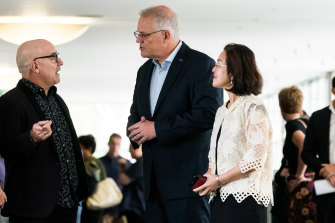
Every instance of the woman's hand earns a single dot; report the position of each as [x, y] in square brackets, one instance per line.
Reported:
[209, 186]
[3, 198]
[284, 172]
[292, 184]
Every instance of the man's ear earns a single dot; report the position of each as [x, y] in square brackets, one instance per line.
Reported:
[333, 91]
[34, 67]
[167, 35]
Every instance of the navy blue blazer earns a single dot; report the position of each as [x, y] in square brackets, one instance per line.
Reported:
[32, 173]
[316, 144]
[183, 116]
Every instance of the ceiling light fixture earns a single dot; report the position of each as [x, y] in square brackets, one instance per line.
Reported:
[56, 29]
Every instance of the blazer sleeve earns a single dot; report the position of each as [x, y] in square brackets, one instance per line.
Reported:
[309, 153]
[204, 103]
[134, 116]
[15, 138]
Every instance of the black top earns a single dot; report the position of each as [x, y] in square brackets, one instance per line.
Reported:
[290, 151]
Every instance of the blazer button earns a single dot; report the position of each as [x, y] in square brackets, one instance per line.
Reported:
[181, 60]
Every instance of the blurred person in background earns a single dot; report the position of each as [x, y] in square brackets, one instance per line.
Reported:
[95, 172]
[133, 205]
[3, 197]
[114, 164]
[319, 155]
[112, 161]
[293, 185]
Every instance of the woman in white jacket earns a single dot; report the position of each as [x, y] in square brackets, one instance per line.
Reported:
[239, 178]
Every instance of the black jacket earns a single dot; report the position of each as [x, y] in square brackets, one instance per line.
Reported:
[184, 117]
[316, 145]
[32, 173]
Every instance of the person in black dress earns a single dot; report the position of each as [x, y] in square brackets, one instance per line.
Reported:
[293, 192]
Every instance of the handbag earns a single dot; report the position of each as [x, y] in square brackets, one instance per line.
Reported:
[106, 195]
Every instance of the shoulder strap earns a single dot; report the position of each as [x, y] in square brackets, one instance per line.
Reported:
[302, 122]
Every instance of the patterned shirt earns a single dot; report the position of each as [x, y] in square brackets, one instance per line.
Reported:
[62, 137]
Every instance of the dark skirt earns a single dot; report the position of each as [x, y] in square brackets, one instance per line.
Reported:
[232, 211]
[302, 207]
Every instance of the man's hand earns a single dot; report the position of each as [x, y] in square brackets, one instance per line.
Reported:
[142, 131]
[328, 172]
[331, 179]
[41, 131]
[3, 198]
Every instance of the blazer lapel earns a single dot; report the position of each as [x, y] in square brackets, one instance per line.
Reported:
[172, 74]
[147, 73]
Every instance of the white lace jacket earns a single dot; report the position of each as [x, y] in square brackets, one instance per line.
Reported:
[245, 140]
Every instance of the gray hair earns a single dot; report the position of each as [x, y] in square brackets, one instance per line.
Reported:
[164, 19]
[23, 62]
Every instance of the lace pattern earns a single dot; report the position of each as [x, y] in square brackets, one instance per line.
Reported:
[245, 141]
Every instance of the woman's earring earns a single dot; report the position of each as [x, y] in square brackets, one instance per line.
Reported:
[231, 81]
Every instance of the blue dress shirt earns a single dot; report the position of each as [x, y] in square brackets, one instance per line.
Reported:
[158, 77]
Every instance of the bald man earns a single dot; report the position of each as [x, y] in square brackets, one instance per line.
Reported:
[45, 177]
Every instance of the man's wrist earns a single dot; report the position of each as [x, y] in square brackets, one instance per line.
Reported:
[35, 144]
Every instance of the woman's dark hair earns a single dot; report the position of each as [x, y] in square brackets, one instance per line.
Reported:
[87, 141]
[241, 66]
[333, 82]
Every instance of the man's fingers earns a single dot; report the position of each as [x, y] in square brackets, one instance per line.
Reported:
[37, 127]
[44, 122]
[143, 119]
[134, 133]
[133, 127]
[143, 140]
[136, 137]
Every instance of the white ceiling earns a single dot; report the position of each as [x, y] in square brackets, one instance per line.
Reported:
[292, 40]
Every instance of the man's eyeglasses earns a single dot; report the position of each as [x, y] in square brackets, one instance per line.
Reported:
[142, 36]
[54, 55]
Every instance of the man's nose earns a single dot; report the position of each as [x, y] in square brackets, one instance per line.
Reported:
[60, 62]
[139, 39]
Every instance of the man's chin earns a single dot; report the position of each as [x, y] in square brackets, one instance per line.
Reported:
[144, 55]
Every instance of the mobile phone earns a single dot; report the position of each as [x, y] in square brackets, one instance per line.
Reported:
[197, 181]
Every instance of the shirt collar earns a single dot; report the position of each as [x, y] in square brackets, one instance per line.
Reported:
[331, 107]
[171, 56]
[37, 89]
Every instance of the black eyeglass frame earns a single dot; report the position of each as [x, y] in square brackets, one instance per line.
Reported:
[142, 36]
[54, 55]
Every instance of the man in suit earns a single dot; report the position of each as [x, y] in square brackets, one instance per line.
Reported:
[172, 115]
[319, 155]
[45, 175]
